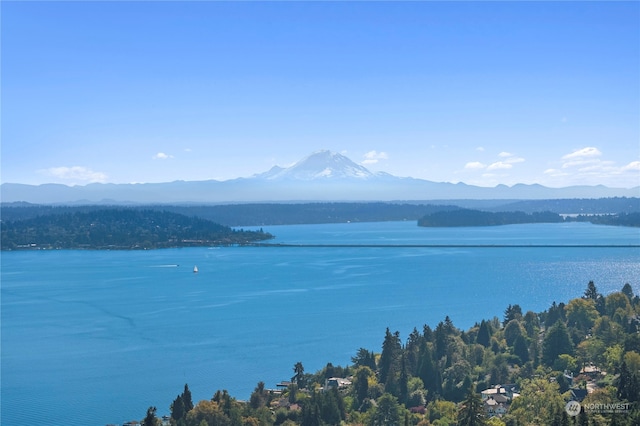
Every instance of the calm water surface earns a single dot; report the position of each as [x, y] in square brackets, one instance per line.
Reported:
[96, 337]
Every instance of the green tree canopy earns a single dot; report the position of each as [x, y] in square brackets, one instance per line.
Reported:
[471, 411]
[556, 341]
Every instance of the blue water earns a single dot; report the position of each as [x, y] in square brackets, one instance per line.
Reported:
[96, 337]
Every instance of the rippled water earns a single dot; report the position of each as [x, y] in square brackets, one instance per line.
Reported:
[96, 337]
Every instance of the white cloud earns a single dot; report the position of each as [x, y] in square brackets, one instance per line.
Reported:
[555, 173]
[578, 163]
[499, 165]
[480, 148]
[510, 158]
[586, 152]
[585, 166]
[372, 157]
[507, 161]
[75, 173]
[162, 156]
[474, 165]
[632, 166]
[514, 160]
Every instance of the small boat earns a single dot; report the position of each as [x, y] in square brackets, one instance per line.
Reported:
[195, 269]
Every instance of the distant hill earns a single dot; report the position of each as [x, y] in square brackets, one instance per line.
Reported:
[259, 214]
[322, 176]
[119, 229]
[468, 217]
[573, 206]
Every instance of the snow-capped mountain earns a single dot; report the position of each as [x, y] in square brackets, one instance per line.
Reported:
[319, 165]
[322, 176]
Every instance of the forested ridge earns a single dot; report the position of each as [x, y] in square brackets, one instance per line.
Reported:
[119, 229]
[586, 350]
[261, 214]
[468, 217]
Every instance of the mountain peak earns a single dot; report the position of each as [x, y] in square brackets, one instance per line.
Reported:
[321, 165]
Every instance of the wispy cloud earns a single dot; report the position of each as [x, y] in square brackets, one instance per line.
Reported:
[499, 165]
[475, 165]
[372, 157]
[586, 152]
[632, 166]
[75, 173]
[585, 166]
[162, 156]
[505, 161]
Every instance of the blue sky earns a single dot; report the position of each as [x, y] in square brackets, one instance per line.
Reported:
[485, 93]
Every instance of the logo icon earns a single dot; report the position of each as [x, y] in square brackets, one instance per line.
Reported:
[572, 408]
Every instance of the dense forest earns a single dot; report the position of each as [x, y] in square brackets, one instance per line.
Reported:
[467, 217]
[620, 219]
[521, 369]
[256, 214]
[583, 206]
[262, 214]
[95, 227]
[119, 229]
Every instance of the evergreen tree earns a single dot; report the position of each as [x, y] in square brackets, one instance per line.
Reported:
[520, 349]
[361, 385]
[390, 356]
[472, 412]
[531, 323]
[387, 413]
[259, 396]
[556, 342]
[311, 413]
[440, 340]
[554, 314]
[403, 381]
[427, 333]
[150, 419]
[298, 376]
[331, 406]
[512, 330]
[628, 384]
[512, 313]
[484, 334]
[364, 358]
[628, 291]
[591, 292]
[412, 351]
[178, 411]
[583, 419]
[428, 372]
[186, 399]
[223, 399]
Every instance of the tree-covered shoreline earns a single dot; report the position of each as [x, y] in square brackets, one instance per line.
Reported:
[262, 214]
[29, 227]
[586, 351]
[468, 217]
[120, 229]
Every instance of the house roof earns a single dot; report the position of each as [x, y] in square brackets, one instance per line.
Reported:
[578, 394]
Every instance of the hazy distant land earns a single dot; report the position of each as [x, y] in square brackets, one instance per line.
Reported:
[27, 226]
